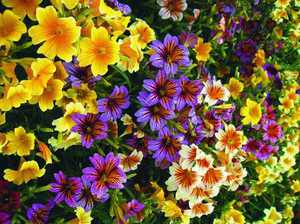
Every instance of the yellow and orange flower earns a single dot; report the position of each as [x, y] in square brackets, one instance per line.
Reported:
[214, 177]
[214, 91]
[235, 177]
[38, 76]
[235, 87]
[230, 139]
[251, 112]
[27, 171]
[20, 142]
[130, 162]
[57, 34]
[9, 73]
[99, 51]
[189, 154]
[143, 31]
[82, 217]
[45, 152]
[259, 59]
[11, 27]
[23, 8]
[202, 50]
[201, 192]
[198, 209]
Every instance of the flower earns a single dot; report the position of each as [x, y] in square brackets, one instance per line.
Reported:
[70, 4]
[229, 139]
[189, 154]
[105, 174]
[124, 8]
[171, 209]
[265, 151]
[130, 162]
[251, 112]
[273, 215]
[10, 200]
[259, 59]
[41, 72]
[23, 8]
[11, 27]
[45, 152]
[169, 55]
[67, 189]
[166, 147]
[214, 176]
[253, 146]
[188, 39]
[198, 209]
[214, 91]
[132, 208]
[112, 106]
[156, 114]
[91, 127]
[83, 217]
[14, 96]
[4, 218]
[143, 31]
[273, 131]
[20, 142]
[56, 34]
[295, 186]
[28, 170]
[235, 87]
[173, 9]
[202, 50]
[99, 51]
[246, 50]
[163, 90]
[189, 91]
[39, 213]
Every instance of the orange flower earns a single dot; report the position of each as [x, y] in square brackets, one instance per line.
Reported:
[130, 162]
[214, 91]
[45, 152]
[57, 34]
[38, 76]
[99, 51]
[235, 177]
[229, 139]
[11, 28]
[200, 192]
[52, 92]
[143, 31]
[259, 59]
[214, 177]
[23, 7]
[202, 50]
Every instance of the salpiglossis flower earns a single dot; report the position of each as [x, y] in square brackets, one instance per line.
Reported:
[145, 34]
[23, 8]
[251, 112]
[202, 50]
[57, 35]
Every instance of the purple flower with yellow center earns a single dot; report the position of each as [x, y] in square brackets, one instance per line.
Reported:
[156, 114]
[132, 208]
[265, 151]
[79, 75]
[112, 106]
[273, 131]
[67, 189]
[39, 213]
[166, 146]
[105, 174]
[246, 50]
[4, 218]
[189, 92]
[169, 55]
[163, 90]
[86, 199]
[91, 127]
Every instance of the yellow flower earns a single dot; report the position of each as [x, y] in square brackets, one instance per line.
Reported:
[234, 216]
[65, 140]
[11, 28]
[52, 92]
[279, 14]
[170, 209]
[144, 32]
[131, 54]
[272, 215]
[118, 25]
[9, 72]
[296, 186]
[251, 112]
[27, 171]
[287, 161]
[202, 50]
[235, 87]
[288, 213]
[83, 217]
[14, 96]
[291, 149]
[286, 104]
[70, 4]
[259, 59]
[56, 34]
[66, 123]
[45, 152]
[20, 142]
[38, 76]
[159, 194]
[105, 10]
[282, 3]
[23, 8]
[99, 51]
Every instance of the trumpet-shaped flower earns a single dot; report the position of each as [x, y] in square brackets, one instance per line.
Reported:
[56, 34]
[27, 171]
[99, 51]
[214, 91]
[11, 27]
[23, 8]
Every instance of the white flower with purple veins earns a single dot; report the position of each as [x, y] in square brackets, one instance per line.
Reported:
[172, 9]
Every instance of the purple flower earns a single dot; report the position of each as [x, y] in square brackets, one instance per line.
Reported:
[112, 106]
[162, 90]
[4, 218]
[124, 8]
[265, 151]
[156, 114]
[79, 75]
[91, 127]
[169, 55]
[105, 174]
[132, 208]
[67, 189]
[188, 39]
[166, 146]
[253, 146]
[273, 131]
[39, 213]
[189, 93]
[86, 199]
[246, 50]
